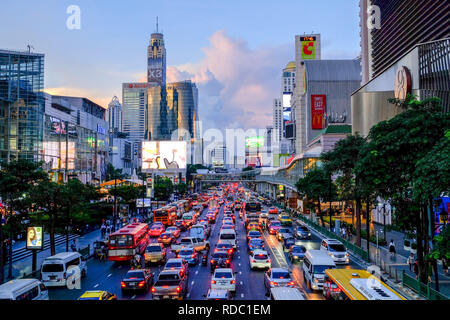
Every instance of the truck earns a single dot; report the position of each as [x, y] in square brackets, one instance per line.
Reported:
[190, 242]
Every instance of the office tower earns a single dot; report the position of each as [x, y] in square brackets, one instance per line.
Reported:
[156, 59]
[21, 105]
[115, 115]
[278, 118]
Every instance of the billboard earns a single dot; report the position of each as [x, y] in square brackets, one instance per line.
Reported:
[318, 109]
[34, 238]
[254, 142]
[161, 155]
[308, 47]
[155, 70]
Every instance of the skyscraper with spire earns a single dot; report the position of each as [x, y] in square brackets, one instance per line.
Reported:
[156, 59]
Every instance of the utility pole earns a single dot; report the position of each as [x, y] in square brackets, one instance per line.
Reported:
[329, 194]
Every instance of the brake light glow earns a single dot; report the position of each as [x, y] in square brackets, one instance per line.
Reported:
[213, 281]
[227, 261]
[233, 281]
[273, 283]
[141, 284]
[178, 289]
[122, 284]
[153, 289]
[212, 261]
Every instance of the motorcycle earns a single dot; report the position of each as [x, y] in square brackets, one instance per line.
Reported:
[205, 259]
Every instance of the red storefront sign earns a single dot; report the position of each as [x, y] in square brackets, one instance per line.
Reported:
[318, 109]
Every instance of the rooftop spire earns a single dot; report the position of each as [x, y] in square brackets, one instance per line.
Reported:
[156, 24]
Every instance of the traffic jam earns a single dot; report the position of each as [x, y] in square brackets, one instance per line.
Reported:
[226, 244]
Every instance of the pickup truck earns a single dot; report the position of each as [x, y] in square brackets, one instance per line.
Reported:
[170, 285]
[190, 242]
[155, 252]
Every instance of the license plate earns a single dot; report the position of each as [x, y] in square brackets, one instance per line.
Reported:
[131, 284]
[223, 282]
[165, 297]
[52, 277]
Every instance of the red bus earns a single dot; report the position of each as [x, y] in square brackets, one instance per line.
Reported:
[126, 242]
[167, 215]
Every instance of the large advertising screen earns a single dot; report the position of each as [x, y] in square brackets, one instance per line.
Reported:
[161, 155]
[318, 109]
[34, 238]
[308, 48]
[254, 142]
[155, 70]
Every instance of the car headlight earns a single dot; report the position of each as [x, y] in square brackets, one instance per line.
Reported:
[309, 234]
[346, 254]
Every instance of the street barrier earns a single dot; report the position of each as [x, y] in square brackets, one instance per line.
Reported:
[421, 288]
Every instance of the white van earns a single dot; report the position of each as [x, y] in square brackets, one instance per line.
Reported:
[189, 218]
[315, 263]
[285, 293]
[228, 236]
[55, 270]
[23, 289]
[198, 231]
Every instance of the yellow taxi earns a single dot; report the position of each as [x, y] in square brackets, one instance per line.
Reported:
[285, 220]
[253, 226]
[98, 295]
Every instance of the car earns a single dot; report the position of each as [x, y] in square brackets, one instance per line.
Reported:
[175, 231]
[264, 213]
[273, 210]
[260, 259]
[211, 217]
[219, 259]
[274, 226]
[218, 294]
[189, 255]
[288, 242]
[253, 234]
[224, 279]
[277, 277]
[177, 264]
[170, 284]
[138, 279]
[296, 253]
[225, 246]
[285, 220]
[253, 226]
[336, 250]
[255, 244]
[98, 295]
[166, 238]
[156, 230]
[302, 232]
[155, 252]
[283, 233]
[180, 224]
[229, 217]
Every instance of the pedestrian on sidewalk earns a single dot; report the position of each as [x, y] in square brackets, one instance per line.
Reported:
[103, 230]
[344, 233]
[411, 261]
[392, 248]
[416, 269]
[445, 266]
[108, 229]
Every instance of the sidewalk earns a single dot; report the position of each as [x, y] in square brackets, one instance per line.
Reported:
[21, 267]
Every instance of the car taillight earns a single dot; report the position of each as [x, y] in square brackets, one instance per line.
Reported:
[230, 251]
[232, 281]
[153, 289]
[178, 289]
[227, 261]
[269, 260]
[193, 256]
[141, 284]
[273, 283]
[291, 283]
[122, 284]
[213, 281]
[212, 261]
[253, 260]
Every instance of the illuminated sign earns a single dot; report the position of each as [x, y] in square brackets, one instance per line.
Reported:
[34, 238]
[137, 85]
[155, 70]
[160, 155]
[318, 109]
[254, 142]
[308, 47]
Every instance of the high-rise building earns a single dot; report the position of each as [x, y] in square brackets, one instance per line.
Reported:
[156, 59]
[115, 115]
[403, 25]
[278, 118]
[21, 105]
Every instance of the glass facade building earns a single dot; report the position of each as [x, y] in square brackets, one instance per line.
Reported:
[21, 105]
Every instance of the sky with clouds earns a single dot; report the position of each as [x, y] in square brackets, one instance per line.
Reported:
[233, 50]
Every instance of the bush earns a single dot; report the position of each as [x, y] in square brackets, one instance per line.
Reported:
[414, 246]
[406, 243]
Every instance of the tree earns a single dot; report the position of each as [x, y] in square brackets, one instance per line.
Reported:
[16, 179]
[248, 168]
[128, 193]
[191, 170]
[114, 174]
[181, 188]
[315, 186]
[388, 162]
[163, 188]
[342, 160]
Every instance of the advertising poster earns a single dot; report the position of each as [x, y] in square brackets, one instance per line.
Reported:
[155, 70]
[308, 45]
[34, 238]
[254, 142]
[160, 155]
[318, 108]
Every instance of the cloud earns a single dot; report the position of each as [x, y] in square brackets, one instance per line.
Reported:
[93, 95]
[236, 84]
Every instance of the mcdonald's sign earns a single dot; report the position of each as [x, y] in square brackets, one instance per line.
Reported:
[318, 109]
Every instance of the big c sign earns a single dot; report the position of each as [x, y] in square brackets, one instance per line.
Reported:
[308, 45]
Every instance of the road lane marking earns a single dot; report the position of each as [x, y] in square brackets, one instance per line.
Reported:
[133, 297]
[239, 264]
[242, 295]
[196, 272]
[96, 285]
[109, 275]
[241, 283]
[188, 295]
[192, 283]
[239, 257]
[240, 272]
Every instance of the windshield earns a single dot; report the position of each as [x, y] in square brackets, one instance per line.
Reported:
[171, 229]
[321, 269]
[220, 255]
[134, 274]
[256, 242]
[168, 277]
[261, 256]
[280, 275]
[186, 252]
[160, 213]
[284, 230]
[173, 265]
[227, 236]
[224, 246]
[52, 267]
[121, 240]
[299, 250]
[223, 275]
[254, 234]
[185, 241]
[275, 224]
[336, 247]
[154, 249]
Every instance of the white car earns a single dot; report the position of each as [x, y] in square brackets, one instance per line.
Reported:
[224, 279]
[336, 250]
[260, 259]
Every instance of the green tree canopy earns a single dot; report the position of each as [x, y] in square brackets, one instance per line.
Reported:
[163, 188]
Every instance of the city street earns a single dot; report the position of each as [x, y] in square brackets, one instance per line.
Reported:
[250, 284]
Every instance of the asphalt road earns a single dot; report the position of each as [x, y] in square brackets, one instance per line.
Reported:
[250, 284]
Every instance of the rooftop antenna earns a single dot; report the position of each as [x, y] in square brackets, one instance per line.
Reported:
[29, 48]
[156, 24]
